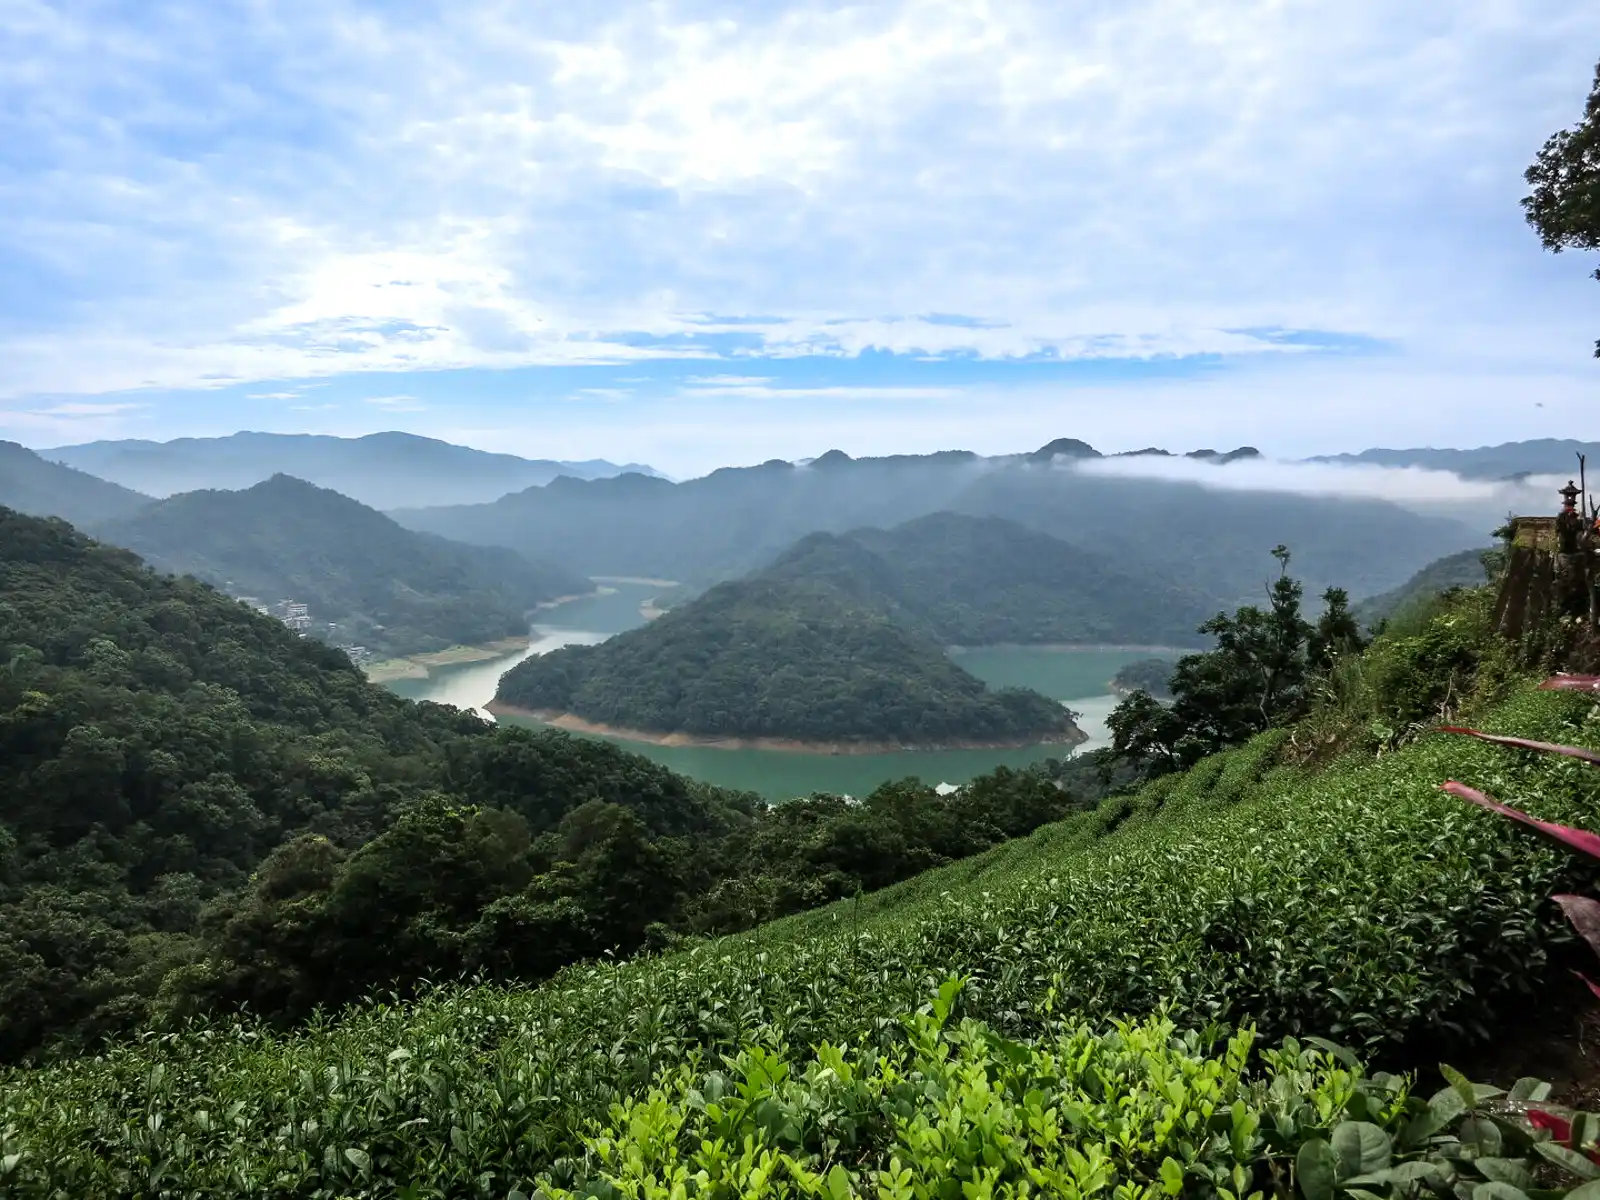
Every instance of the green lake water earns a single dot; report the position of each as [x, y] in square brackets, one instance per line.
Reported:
[1078, 677]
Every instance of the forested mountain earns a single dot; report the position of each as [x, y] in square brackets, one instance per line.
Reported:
[384, 470]
[781, 657]
[738, 519]
[1466, 569]
[198, 808]
[972, 581]
[382, 586]
[33, 485]
[1538, 456]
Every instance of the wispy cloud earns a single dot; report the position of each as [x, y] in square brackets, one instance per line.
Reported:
[403, 404]
[79, 408]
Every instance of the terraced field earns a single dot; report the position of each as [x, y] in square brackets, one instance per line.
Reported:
[1358, 903]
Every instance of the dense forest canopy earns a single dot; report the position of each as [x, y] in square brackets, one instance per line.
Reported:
[976, 581]
[739, 519]
[1152, 675]
[383, 586]
[773, 657]
[200, 809]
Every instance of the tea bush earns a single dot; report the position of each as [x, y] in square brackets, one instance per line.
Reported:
[1137, 1111]
[1359, 904]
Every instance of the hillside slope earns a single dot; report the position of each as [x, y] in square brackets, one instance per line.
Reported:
[972, 581]
[159, 741]
[1454, 570]
[33, 485]
[783, 659]
[1356, 903]
[383, 470]
[382, 586]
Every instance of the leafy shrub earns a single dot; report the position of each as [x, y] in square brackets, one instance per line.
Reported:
[1138, 1111]
[949, 1108]
[1358, 904]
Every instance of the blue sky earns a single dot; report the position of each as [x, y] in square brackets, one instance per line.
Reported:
[701, 233]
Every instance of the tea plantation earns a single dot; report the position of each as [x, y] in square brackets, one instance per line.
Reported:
[1356, 903]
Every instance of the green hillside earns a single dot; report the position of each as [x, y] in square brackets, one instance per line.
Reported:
[975, 581]
[781, 658]
[1455, 570]
[199, 810]
[32, 485]
[373, 582]
[1355, 902]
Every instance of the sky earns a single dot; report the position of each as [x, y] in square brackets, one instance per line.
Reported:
[697, 234]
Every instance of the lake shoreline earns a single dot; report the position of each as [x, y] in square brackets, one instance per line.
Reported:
[575, 724]
[560, 600]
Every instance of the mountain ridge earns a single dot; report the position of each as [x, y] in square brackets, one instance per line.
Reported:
[738, 519]
[382, 470]
[392, 589]
[35, 486]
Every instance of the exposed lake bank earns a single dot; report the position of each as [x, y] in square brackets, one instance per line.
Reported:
[576, 724]
[421, 666]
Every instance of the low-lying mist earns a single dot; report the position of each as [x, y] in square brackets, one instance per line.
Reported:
[1476, 501]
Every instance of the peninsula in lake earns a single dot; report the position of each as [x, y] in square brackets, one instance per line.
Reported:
[840, 644]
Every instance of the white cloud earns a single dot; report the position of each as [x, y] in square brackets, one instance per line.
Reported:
[1400, 484]
[248, 192]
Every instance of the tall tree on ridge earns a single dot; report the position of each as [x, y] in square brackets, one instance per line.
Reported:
[1564, 206]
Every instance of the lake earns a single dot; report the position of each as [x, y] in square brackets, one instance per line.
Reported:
[1077, 677]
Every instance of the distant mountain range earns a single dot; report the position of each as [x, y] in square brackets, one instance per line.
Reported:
[383, 470]
[723, 525]
[390, 589]
[1510, 460]
[33, 485]
[839, 641]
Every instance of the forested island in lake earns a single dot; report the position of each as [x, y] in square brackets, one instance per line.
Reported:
[840, 644]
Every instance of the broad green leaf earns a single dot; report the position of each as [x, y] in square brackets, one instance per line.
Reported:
[359, 1159]
[1448, 1104]
[1498, 1191]
[1362, 1148]
[1529, 1088]
[1171, 1176]
[1481, 1135]
[1316, 1170]
[1504, 1170]
[1461, 1084]
[1585, 1191]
